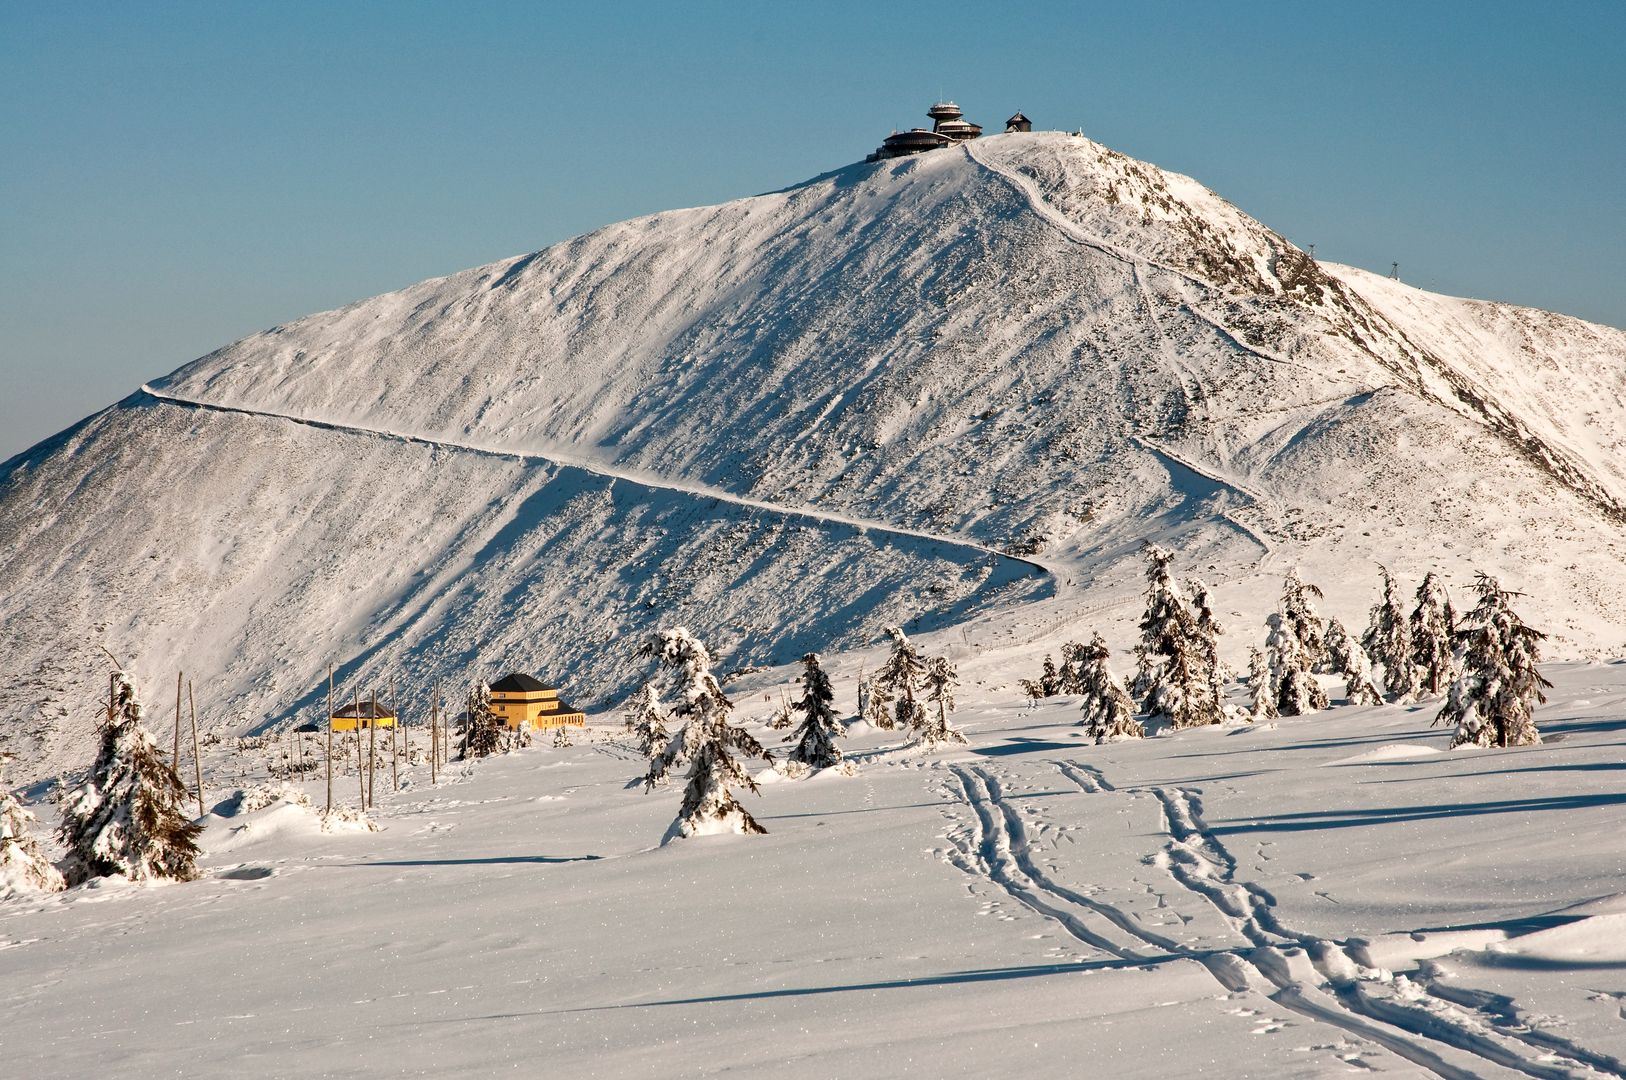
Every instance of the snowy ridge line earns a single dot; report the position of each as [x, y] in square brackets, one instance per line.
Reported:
[1200, 863]
[1158, 449]
[595, 468]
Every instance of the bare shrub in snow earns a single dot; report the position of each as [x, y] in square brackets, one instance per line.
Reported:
[1493, 699]
[1047, 685]
[24, 866]
[704, 741]
[1109, 711]
[126, 818]
[265, 795]
[816, 737]
[1433, 629]
[1388, 642]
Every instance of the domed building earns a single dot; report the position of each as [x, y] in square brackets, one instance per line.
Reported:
[949, 127]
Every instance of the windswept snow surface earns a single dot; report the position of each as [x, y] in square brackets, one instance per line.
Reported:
[790, 420]
[1296, 900]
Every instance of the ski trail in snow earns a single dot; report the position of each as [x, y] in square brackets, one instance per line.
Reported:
[1456, 1038]
[602, 469]
[1311, 971]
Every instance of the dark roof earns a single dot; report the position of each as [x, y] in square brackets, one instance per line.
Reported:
[519, 683]
[1017, 117]
[363, 711]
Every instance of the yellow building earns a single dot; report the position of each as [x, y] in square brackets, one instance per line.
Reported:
[519, 699]
[364, 716]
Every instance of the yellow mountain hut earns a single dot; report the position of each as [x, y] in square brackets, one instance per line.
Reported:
[520, 699]
[364, 716]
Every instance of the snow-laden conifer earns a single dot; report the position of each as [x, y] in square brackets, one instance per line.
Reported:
[1070, 675]
[1262, 688]
[127, 817]
[1433, 629]
[898, 683]
[704, 740]
[1109, 711]
[1347, 658]
[1173, 675]
[1300, 617]
[1048, 683]
[561, 737]
[1209, 632]
[645, 721]
[482, 730]
[1494, 696]
[24, 866]
[1388, 642]
[1297, 692]
[934, 727]
[820, 728]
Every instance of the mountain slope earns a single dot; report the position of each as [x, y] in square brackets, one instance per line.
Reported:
[1030, 344]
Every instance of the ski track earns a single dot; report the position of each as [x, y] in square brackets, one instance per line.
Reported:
[598, 468]
[1452, 1032]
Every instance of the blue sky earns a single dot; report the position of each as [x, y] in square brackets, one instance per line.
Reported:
[176, 176]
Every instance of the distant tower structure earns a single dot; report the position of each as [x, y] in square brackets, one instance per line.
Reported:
[949, 126]
[1394, 271]
[943, 110]
[949, 122]
[1018, 123]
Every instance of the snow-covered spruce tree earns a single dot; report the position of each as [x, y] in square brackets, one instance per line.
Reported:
[1109, 712]
[1262, 689]
[24, 866]
[816, 738]
[482, 730]
[899, 682]
[1388, 642]
[704, 741]
[561, 737]
[934, 727]
[1070, 675]
[646, 721]
[1208, 634]
[1347, 658]
[1172, 675]
[1301, 618]
[1494, 696]
[1433, 629]
[1297, 692]
[126, 817]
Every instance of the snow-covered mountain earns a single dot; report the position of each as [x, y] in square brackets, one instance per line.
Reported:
[966, 384]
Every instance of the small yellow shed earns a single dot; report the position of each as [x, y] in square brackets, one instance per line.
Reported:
[519, 700]
[365, 715]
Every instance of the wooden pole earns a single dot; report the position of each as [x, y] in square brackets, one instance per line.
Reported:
[361, 777]
[197, 759]
[330, 738]
[395, 751]
[175, 753]
[434, 739]
[372, 746]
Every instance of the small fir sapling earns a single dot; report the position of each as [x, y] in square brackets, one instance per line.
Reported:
[561, 737]
[1070, 676]
[1433, 629]
[1262, 688]
[1493, 698]
[482, 730]
[816, 738]
[1047, 685]
[704, 740]
[1388, 642]
[1347, 658]
[1297, 691]
[898, 683]
[24, 866]
[646, 721]
[1109, 711]
[934, 727]
[127, 817]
